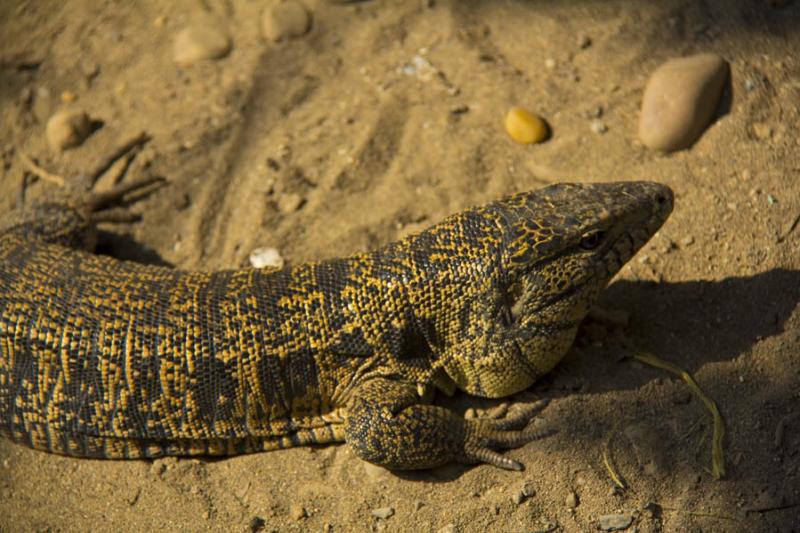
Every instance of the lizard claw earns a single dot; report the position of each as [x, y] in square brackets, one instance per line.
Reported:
[484, 436]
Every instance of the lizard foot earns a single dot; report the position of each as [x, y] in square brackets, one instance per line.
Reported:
[108, 206]
[485, 435]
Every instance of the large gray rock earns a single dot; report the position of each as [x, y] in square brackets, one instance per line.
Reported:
[679, 101]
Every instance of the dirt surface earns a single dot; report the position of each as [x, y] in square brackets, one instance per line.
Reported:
[375, 143]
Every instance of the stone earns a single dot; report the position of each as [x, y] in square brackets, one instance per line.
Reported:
[571, 501]
[67, 128]
[203, 40]
[383, 512]
[297, 511]
[614, 522]
[525, 127]
[285, 20]
[266, 258]
[680, 100]
[290, 202]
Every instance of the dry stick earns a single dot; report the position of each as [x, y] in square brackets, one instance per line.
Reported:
[717, 454]
[109, 160]
[31, 166]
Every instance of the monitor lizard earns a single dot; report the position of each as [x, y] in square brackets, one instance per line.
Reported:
[112, 359]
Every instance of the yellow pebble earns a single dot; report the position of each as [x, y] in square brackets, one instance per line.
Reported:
[525, 127]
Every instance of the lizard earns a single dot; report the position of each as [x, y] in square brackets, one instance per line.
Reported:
[105, 358]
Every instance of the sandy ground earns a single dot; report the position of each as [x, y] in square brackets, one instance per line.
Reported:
[373, 152]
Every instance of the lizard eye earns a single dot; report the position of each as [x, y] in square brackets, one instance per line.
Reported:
[592, 240]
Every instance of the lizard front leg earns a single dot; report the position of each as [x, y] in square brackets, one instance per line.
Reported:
[387, 425]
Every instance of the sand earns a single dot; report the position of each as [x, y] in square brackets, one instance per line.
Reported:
[383, 119]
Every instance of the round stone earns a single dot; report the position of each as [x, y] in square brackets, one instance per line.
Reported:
[680, 100]
[67, 128]
[203, 40]
[525, 127]
[285, 20]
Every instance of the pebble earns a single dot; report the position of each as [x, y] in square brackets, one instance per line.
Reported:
[266, 258]
[449, 528]
[383, 512]
[571, 501]
[297, 511]
[285, 20]
[289, 202]
[205, 39]
[679, 101]
[598, 127]
[528, 491]
[762, 131]
[525, 127]
[67, 128]
[614, 522]
[584, 41]
[687, 241]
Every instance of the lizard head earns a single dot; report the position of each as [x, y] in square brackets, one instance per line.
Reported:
[527, 269]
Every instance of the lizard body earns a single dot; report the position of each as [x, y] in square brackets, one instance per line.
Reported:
[111, 359]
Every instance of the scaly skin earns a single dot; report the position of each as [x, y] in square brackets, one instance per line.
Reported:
[111, 359]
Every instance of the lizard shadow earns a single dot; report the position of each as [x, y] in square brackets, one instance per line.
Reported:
[126, 248]
[690, 324]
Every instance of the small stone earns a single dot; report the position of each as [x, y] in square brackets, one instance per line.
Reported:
[206, 515]
[687, 241]
[159, 21]
[679, 101]
[289, 202]
[297, 511]
[550, 63]
[598, 127]
[68, 97]
[584, 41]
[525, 127]
[285, 20]
[749, 85]
[614, 522]
[518, 498]
[67, 128]
[762, 131]
[571, 501]
[528, 491]
[449, 528]
[266, 258]
[417, 505]
[204, 40]
[383, 512]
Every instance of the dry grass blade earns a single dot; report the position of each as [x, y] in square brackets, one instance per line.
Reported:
[717, 453]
